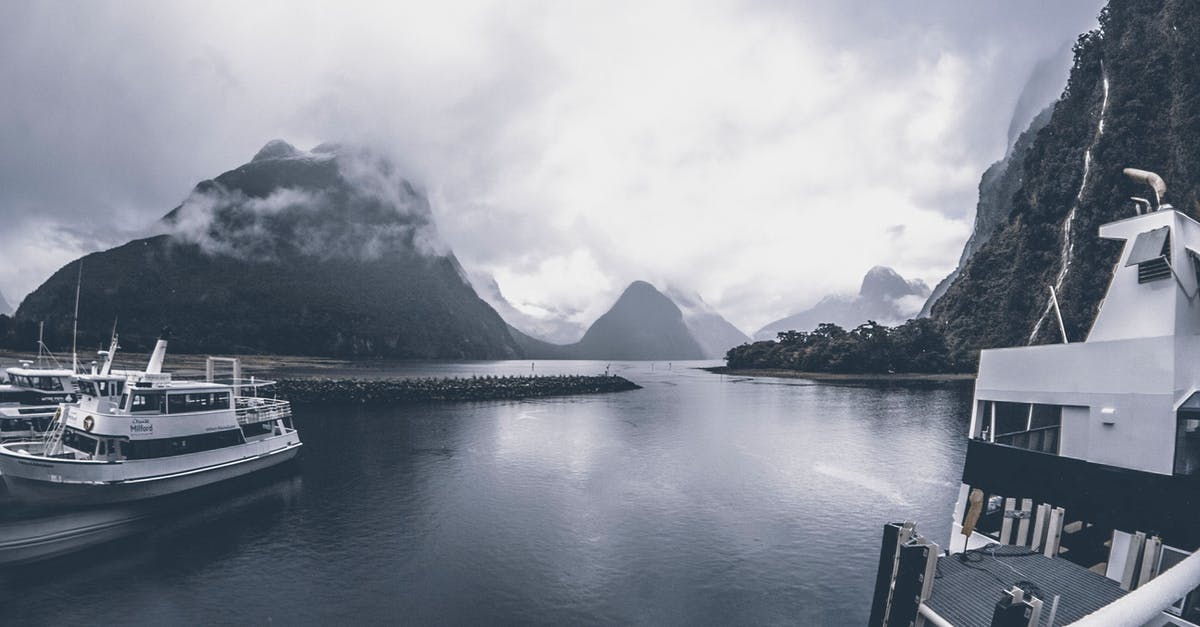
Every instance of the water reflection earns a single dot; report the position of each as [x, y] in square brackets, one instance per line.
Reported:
[699, 499]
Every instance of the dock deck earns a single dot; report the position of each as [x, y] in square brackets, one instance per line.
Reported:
[965, 593]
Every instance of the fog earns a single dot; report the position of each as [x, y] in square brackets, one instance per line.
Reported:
[760, 154]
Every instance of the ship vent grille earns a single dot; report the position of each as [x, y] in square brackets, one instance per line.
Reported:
[1157, 268]
[1153, 270]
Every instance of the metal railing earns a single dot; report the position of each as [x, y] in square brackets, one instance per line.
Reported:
[251, 410]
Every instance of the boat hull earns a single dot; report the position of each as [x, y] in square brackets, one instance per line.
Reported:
[49, 481]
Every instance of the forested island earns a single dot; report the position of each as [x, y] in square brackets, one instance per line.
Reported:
[917, 346]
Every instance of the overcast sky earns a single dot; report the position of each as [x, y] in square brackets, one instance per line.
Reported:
[760, 153]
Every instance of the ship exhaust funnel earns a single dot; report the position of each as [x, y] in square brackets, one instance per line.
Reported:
[160, 353]
[1155, 182]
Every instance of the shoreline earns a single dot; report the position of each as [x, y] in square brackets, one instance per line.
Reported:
[833, 376]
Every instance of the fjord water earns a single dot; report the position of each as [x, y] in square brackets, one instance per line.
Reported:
[700, 499]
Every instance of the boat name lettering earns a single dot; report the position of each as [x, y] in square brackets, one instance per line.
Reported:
[141, 425]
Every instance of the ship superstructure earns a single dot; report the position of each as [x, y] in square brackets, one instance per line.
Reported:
[1083, 458]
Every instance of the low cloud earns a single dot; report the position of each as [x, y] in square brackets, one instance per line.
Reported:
[368, 212]
[756, 152]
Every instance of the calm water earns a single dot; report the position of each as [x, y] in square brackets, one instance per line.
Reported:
[700, 499]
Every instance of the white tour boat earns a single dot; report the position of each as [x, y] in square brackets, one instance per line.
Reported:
[145, 435]
[1082, 473]
[32, 394]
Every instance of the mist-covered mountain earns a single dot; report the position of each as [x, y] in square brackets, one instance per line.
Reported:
[1000, 182]
[328, 252]
[1132, 100]
[712, 331]
[884, 296]
[556, 327]
[643, 324]
[5, 308]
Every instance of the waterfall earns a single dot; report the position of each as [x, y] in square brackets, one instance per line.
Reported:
[1068, 241]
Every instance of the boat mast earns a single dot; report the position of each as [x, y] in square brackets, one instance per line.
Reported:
[106, 367]
[75, 327]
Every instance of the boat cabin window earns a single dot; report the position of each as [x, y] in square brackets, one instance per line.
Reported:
[80, 442]
[49, 384]
[109, 388]
[145, 402]
[199, 401]
[1187, 437]
[1030, 426]
[11, 397]
[168, 447]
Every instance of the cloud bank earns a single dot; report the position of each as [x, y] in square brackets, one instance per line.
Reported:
[759, 153]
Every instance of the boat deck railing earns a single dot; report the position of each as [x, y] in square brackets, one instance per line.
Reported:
[251, 410]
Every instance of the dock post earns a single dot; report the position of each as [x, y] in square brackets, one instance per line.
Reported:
[1054, 532]
[1023, 526]
[1137, 542]
[1040, 522]
[894, 535]
[1150, 559]
[1010, 504]
[913, 576]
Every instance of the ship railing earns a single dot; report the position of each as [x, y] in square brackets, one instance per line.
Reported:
[237, 382]
[1146, 605]
[251, 410]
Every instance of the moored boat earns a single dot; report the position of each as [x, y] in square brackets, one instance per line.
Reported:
[32, 394]
[145, 435]
[1082, 469]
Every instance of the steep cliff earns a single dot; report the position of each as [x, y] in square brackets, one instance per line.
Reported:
[1132, 99]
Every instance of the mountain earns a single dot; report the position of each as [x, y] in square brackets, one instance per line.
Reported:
[322, 252]
[1132, 100]
[643, 324]
[713, 332]
[884, 296]
[555, 327]
[5, 308]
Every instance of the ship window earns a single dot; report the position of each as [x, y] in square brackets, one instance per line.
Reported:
[88, 388]
[146, 402]
[49, 384]
[79, 441]
[1187, 441]
[1011, 418]
[1029, 426]
[203, 401]
[167, 447]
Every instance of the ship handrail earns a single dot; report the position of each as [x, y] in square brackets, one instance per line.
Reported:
[252, 409]
[1149, 600]
[239, 382]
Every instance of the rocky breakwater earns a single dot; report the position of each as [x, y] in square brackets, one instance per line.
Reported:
[342, 390]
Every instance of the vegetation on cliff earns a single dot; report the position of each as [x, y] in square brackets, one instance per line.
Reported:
[1132, 100]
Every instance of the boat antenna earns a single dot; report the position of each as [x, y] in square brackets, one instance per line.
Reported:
[44, 356]
[75, 325]
[111, 353]
[1058, 313]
